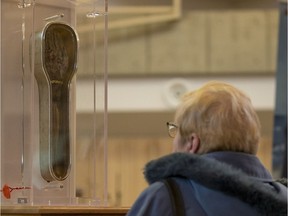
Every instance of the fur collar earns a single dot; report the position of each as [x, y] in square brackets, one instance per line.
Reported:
[225, 178]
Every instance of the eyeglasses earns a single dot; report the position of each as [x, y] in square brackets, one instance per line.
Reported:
[172, 129]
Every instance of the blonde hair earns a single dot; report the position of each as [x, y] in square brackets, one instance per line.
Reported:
[222, 116]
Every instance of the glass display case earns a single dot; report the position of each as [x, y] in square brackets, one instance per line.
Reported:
[44, 46]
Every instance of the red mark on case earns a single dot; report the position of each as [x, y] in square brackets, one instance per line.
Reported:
[6, 190]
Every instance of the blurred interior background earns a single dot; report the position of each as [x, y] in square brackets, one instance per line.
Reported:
[160, 49]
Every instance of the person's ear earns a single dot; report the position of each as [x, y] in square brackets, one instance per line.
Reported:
[193, 143]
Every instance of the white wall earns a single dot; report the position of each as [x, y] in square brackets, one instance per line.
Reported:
[160, 94]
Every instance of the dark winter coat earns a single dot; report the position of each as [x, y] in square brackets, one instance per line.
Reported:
[215, 184]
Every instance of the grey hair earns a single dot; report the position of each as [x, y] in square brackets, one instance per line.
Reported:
[222, 116]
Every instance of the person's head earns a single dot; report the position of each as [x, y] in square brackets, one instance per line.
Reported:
[216, 117]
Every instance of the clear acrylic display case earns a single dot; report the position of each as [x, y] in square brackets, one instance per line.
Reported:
[45, 45]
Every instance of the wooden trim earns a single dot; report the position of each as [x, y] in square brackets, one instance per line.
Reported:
[62, 210]
[157, 14]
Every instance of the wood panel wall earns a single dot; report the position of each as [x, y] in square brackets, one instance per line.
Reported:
[134, 139]
[127, 158]
[230, 41]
